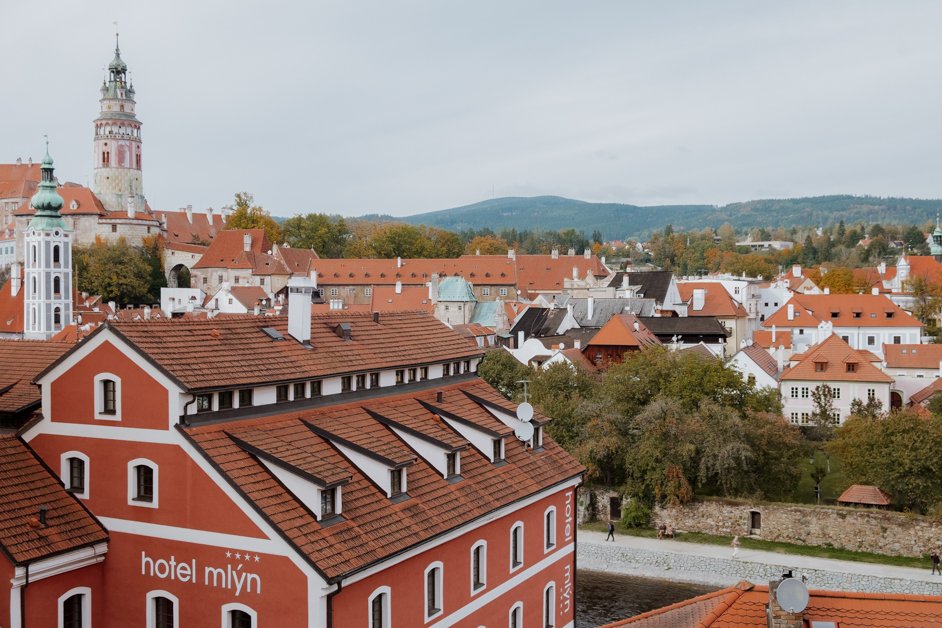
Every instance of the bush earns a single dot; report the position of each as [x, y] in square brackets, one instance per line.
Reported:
[636, 514]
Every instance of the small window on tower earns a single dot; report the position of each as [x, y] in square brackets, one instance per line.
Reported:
[114, 228]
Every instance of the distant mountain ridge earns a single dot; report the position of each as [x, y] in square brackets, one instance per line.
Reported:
[619, 221]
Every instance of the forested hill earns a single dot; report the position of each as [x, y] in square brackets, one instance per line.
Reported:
[617, 221]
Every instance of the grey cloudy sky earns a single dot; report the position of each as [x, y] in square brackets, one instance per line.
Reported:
[414, 105]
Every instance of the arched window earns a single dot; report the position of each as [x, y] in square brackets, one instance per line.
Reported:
[162, 610]
[34, 287]
[107, 397]
[35, 255]
[478, 566]
[142, 483]
[549, 606]
[32, 318]
[549, 528]
[379, 608]
[55, 255]
[516, 616]
[75, 608]
[433, 590]
[74, 473]
[57, 317]
[57, 286]
[238, 616]
[516, 546]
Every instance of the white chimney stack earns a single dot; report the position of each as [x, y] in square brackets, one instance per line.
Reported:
[636, 325]
[247, 242]
[554, 253]
[575, 272]
[300, 290]
[146, 313]
[189, 214]
[433, 288]
[875, 291]
[590, 307]
[209, 212]
[577, 344]
[587, 254]
[827, 290]
[773, 335]
[398, 287]
[398, 262]
[881, 268]
[796, 270]
[314, 277]
[16, 280]
[791, 311]
[511, 254]
[699, 299]
[572, 252]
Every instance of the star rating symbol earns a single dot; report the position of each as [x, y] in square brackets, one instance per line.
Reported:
[247, 557]
[238, 556]
[257, 558]
[228, 554]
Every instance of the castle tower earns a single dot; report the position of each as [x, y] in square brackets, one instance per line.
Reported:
[47, 278]
[117, 180]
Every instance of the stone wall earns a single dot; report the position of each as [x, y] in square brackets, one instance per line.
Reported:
[599, 504]
[857, 529]
[685, 567]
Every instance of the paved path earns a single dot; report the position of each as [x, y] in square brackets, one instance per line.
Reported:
[681, 560]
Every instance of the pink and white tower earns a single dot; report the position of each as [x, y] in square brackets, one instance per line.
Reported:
[117, 180]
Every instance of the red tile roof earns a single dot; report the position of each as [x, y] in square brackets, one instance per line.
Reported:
[22, 360]
[202, 230]
[763, 338]
[577, 357]
[484, 270]
[11, 309]
[717, 301]
[367, 533]
[925, 266]
[85, 202]
[620, 331]
[744, 605]
[410, 298]
[542, 273]
[912, 356]
[26, 484]
[298, 261]
[842, 310]
[835, 355]
[212, 353]
[927, 392]
[864, 494]
[228, 251]
[763, 359]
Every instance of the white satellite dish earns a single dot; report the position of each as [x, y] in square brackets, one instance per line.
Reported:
[792, 595]
[525, 412]
[524, 431]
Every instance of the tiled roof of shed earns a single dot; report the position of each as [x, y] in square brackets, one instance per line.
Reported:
[864, 494]
[20, 362]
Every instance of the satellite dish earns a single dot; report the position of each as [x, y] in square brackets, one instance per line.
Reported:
[792, 595]
[525, 412]
[524, 431]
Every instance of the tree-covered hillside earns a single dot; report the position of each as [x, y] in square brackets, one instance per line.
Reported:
[618, 221]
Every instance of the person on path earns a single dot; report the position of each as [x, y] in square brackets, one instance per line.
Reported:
[611, 532]
[935, 562]
[735, 545]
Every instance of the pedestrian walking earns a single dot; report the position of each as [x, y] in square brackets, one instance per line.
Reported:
[735, 545]
[611, 532]
[935, 562]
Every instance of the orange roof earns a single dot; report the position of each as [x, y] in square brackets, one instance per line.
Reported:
[298, 261]
[912, 356]
[78, 200]
[923, 395]
[864, 494]
[410, 298]
[745, 605]
[228, 251]
[576, 356]
[833, 360]
[211, 353]
[484, 269]
[763, 338]
[19, 180]
[842, 310]
[624, 330]
[22, 360]
[368, 534]
[202, 230]
[26, 484]
[762, 358]
[543, 273]
[717, 301]
[925, 266]
[11, 309]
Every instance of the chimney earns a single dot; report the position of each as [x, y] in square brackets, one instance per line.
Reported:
[146, 313]
[636, 326]
[827, 290]
[433, 288]
[313, 276]
[777, 616]
[477, 251]
[398, 287]
[577, 344]
[699, 299]
[572, 252]
[398, 262]
[439, 396]
[554, 253]
[376, 318]
[247, 242]
[603, 260]
[511, 254]
[189, 214]
[209, 213]
[300, 290]
[112, 306]
[587, 254]
[780, 359]
[791, 311]
[257, 309]
[875, 291]
[19, 161]
[773, 335]
[624, 281]
[796, 270]
[881, 268]
[520, 339]
[590, 308]
[575, 272]
[16, 280]
[42, 515]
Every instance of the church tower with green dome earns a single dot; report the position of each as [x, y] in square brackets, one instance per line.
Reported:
[935, 240]
[47, 276]
[117, 180]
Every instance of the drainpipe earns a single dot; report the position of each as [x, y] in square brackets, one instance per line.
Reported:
[185, 406]
[330, 604]
[23, 599]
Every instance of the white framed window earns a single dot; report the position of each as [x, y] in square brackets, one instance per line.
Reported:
[871, 394]
[835, 392]
[485, 292]
[368, 291]
[515, 617]
[503, 292]
[235, 615]
[549, 529]
[379, 608]
[163, 610]
[804, 392]
[142, 483]
[549, 605]
[516, 546]
[75, 608]
[74, 473]
[107, 397]
[433, 590]
[794, 392]
[478, 567]
[334, 292]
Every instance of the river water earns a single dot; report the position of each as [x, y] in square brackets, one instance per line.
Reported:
[603, 597]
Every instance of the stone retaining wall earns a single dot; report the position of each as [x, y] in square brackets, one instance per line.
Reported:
[857, 529]
[683, 567]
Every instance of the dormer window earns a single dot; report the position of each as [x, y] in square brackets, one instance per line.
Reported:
[423, 373]
[328, 502]
[851, 367]
[498, 450]
[245, 398]
[820, 367]
[346, 383]
[361, 381]
[857, 314]
[204, 403]
[300, 390]
[835, 314]
[281, 393]
[412, 374]
[225, 400]
[446, 370]
[890, 314]
[451, 465]
[374, 380]
[400, 376]
[316, 388]
[396, 482]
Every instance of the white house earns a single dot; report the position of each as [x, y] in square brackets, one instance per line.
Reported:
[758, 366]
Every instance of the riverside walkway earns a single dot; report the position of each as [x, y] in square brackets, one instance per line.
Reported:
[713, 564]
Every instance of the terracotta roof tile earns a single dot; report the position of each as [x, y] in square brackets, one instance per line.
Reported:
[21, 361]
[26, 484]
[414, 298]
[717, 301]
[912, 356]
[864, 494]
[79, 200]
[202, 230]
[762, 358]
[834, 354]
[927, 392]
[368, 533]
[842, 310]
[11, 309]
[619, 331]
[763, 338]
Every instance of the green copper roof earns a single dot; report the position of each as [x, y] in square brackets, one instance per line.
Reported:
[47, 201]
[455, 289]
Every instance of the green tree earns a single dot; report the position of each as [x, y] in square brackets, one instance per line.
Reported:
[824, 417]
[247, 215]
[325, 234]
[502, 371]
[118, 272]
[559, 391]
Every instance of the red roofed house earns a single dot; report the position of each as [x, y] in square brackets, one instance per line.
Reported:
[187, 235]
[864, 321]
[707, 298]
[850, 373]
[864, 495]
[338, 469]
[239, 257]
[623, 333]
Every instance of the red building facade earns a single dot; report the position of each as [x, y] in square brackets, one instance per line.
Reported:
[238, 476]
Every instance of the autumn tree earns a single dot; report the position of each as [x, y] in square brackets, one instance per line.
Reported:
[118, 272]
[247, 215]
[487, 245]
[325, 234]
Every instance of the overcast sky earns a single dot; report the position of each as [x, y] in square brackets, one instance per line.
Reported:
[409, 106]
